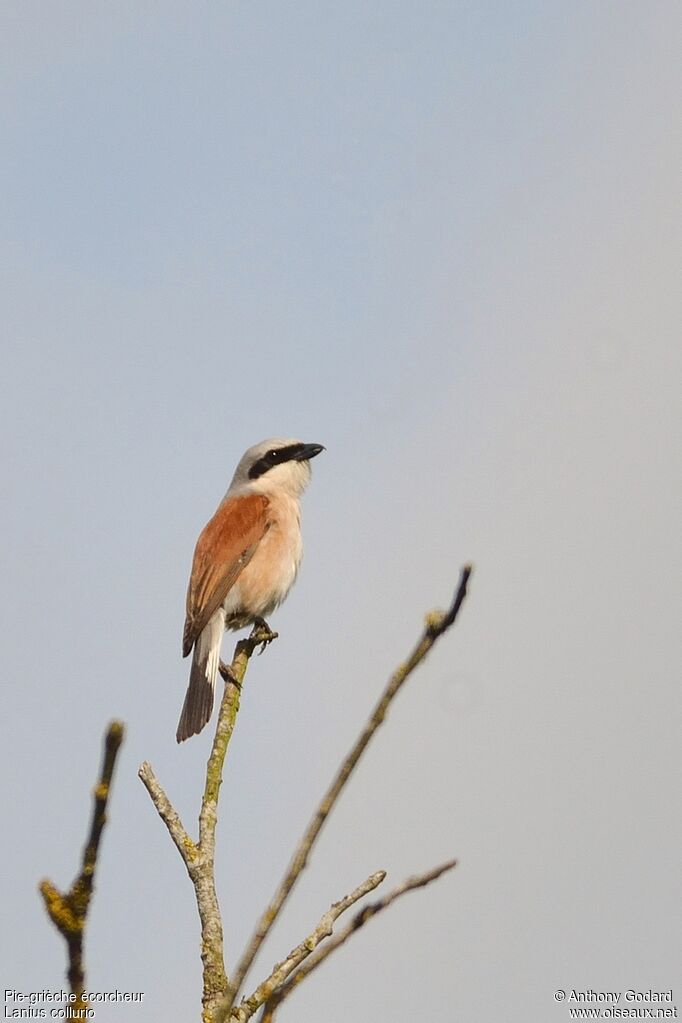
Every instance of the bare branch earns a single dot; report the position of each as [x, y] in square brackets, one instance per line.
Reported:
[199, 857]
[358, 921]
[168, 814]
[437, 623]
[68, 910]
[297, 955]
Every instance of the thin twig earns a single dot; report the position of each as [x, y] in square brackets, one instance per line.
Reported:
[168, 814]
[68, 910]
[199, 857]
[358, 921]
[281, 971]
[437, 623]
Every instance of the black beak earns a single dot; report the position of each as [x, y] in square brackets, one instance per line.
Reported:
[308, 451]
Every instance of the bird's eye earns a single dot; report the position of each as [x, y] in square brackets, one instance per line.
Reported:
[272, 454]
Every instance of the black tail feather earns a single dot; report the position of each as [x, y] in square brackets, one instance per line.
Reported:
[198, 705]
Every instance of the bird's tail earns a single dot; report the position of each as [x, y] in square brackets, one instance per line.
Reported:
[198, 705]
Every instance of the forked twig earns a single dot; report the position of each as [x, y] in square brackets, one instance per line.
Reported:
[199, 857]
[299, 954]
[359, 920]
[68, 910]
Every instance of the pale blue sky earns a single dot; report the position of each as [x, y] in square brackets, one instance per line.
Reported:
[444, 240]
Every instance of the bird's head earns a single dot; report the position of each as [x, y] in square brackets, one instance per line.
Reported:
[276, 463]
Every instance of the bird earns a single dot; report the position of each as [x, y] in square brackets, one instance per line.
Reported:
[245, 562]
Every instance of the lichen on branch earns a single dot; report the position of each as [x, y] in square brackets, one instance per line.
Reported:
[68, 911]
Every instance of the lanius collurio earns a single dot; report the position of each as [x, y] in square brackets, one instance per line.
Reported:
[245, 562]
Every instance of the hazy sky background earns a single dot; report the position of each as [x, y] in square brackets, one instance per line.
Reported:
[443, 239]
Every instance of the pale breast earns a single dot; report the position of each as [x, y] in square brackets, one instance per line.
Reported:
[270, 574]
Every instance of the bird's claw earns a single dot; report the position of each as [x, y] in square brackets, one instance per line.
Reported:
[262, 634]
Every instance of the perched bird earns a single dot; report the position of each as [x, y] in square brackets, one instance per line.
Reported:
[245, 562]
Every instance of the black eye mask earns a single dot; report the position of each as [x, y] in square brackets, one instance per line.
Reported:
[295, 452]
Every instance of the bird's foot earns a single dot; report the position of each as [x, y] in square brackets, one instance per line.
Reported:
[228, 675]
[262, 634]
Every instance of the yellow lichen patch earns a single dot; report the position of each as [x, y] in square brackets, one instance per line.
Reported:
[61, 910]
[434, 620]
[116, 732]
[190, 848]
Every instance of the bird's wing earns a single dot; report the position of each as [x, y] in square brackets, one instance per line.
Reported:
[224, 548]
